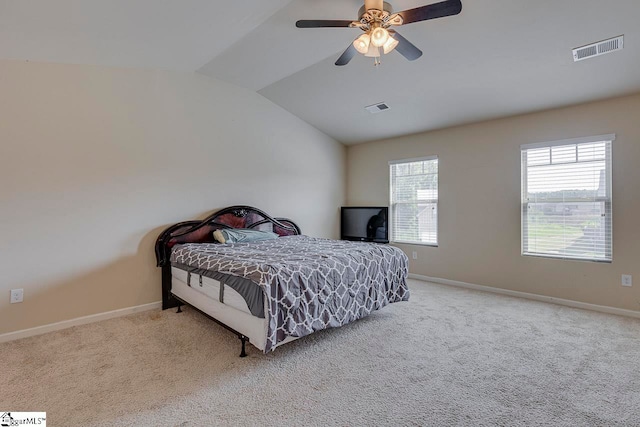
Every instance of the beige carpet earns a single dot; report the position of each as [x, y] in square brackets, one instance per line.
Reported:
[447, 357]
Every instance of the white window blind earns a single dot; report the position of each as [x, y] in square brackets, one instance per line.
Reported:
[414, 201]
[566, 199]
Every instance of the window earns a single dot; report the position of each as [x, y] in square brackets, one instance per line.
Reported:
[414, 201]
[566, 199]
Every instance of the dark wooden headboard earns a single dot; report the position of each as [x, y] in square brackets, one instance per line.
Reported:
[231, 217]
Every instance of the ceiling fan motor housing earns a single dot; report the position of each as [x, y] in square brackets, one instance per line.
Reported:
[386, 7]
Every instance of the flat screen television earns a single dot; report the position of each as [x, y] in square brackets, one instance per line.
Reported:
[365, 224]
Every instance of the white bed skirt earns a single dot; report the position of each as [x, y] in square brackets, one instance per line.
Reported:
[254, 328]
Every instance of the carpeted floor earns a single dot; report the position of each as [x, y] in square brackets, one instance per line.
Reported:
[447, 357]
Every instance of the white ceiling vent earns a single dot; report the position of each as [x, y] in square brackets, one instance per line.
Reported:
[599, 48]
[377, 108]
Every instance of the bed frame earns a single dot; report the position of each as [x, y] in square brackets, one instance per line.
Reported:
[202, 232]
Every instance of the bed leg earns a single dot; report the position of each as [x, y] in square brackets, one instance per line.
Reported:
[244, 339]
[179, 310]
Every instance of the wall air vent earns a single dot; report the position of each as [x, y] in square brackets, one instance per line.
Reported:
[377, 108]
[597, 49]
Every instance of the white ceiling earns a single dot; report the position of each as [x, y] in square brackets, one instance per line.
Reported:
[168, 34]
[497, 58]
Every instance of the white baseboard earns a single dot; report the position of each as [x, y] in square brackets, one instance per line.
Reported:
[38, 330]
[536, 297]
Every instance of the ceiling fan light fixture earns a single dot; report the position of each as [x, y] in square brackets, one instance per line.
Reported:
[389, 45]
[362, 43]
[373, 52]
[379, 36]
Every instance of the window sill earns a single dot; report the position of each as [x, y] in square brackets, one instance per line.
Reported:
[432, 245]
[564, 258]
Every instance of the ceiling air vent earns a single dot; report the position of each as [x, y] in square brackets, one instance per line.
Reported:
[377, 108]
[599, 48]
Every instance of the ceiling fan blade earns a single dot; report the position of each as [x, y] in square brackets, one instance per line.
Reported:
[318, 23]
[431, 11]
[347, 55]
[405, 47]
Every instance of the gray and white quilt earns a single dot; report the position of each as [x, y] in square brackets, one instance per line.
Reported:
[310, 283]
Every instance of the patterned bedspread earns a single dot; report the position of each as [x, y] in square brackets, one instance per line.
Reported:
[310, 283]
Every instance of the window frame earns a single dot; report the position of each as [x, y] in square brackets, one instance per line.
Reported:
[392, 203]
[608, 200]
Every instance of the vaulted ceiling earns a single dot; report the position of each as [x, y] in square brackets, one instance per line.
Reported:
[497, 58]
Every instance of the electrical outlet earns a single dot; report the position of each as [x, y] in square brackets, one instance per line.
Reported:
[415, 255]
[17, 295]
[627, 280]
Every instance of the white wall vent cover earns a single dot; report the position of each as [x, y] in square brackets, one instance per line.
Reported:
[597, 49]
[377, 108]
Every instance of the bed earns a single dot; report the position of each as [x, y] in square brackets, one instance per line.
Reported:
[274, 291]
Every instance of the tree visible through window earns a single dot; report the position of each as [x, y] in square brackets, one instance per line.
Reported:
[566, 199]
[414, 201]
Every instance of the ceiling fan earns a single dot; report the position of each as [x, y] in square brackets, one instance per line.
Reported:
[375, 19]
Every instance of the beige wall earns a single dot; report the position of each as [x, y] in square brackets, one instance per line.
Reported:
[95, 162]
[479, 211]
